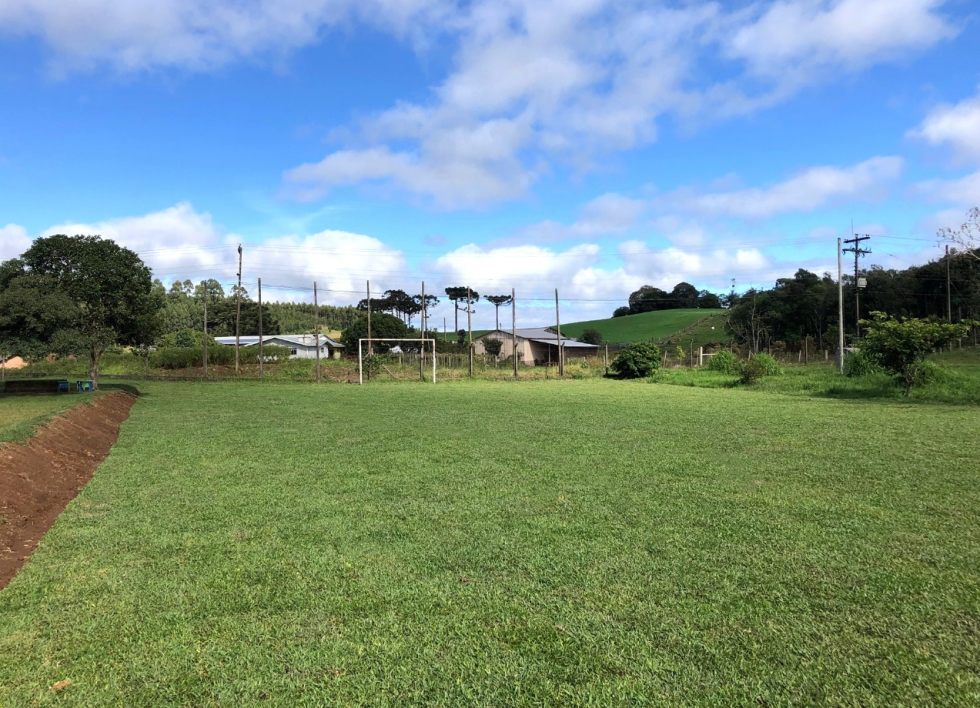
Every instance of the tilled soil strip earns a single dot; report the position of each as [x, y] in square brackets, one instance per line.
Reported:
[40, 477]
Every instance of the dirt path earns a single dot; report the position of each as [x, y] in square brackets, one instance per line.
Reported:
[39, 478]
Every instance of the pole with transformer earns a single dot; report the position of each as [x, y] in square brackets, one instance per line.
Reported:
[204, 341]
[840, 308]
[858, 252]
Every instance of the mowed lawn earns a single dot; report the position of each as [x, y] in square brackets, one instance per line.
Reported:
[552, 543]
[19, 415]
[647, 325]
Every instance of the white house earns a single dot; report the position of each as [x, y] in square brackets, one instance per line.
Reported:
[302, 346]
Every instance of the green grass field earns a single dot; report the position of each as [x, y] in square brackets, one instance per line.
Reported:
[546, 543]
[19, 415]
[648, 325]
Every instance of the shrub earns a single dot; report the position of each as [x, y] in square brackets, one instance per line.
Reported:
[218, 355]
[726, 362]
[900, 346]
[492, 346]
[591, 336]
[758, 366]
[751, 372]
[770, 367]
[637, 360]
[860, 364]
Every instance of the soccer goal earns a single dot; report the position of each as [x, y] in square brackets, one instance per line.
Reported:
[409, 340]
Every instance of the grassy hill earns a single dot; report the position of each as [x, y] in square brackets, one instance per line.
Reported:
[663, 324]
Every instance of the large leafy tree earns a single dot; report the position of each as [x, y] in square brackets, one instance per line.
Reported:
[382, 326]
[96, 293]
[900, 346]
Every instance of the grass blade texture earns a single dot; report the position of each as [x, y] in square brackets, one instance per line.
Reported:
[552, 543]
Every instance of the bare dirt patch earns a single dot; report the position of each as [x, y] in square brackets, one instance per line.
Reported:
[40, 477]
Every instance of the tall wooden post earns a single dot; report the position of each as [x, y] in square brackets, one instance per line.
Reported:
[422, 336]
[316, 330]
[561, 359]
[238, 306]
[469, 327]
[949, 298]
[204, 340]
[370, 349]
[513, 328]
[261, 359]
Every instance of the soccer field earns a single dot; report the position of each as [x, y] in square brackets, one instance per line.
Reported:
[558, 543]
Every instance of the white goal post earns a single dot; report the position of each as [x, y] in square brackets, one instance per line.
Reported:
[416, 340]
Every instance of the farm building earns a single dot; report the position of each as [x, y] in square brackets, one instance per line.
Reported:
[301, 346]
[536, 345]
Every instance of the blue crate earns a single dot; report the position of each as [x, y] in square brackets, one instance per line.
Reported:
[84, 386]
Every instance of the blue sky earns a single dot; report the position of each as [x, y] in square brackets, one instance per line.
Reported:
[583, 145]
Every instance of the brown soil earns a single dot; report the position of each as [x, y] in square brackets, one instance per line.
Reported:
[14, 363]
[40, 477]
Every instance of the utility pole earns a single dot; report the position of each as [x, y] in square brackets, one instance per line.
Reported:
[204, 341]
[238, 305]
[949, 298]
[513, 328]
[840, 308]
[261, 359]
[469, 327]
[422, 336]
[858, 252]
[561, 358]
[370, 349]
[316, 330]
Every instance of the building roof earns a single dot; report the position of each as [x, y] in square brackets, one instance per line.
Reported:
[543, 335]
[302, 340]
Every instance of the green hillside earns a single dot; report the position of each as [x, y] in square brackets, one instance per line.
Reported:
[658, 325]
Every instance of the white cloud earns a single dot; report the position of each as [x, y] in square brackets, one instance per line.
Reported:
[177, 241]
[957, 126]
[181, 243]
[545, 81]
[606, 215]
[140, 34]
[793, 38]
[806, 191]
[964, 190]
[460, 166]
[665, 268]
[13, 241]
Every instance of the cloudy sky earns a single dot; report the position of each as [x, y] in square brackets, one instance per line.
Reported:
[587, 145]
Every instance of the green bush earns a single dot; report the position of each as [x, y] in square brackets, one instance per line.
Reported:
[769, 366]
[931, 373]
[751, 372]
[758, 366]
[860, 364]
[726, 362]
[218, 355]
[637, 360]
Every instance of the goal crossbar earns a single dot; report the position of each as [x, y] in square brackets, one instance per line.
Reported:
[415, 340]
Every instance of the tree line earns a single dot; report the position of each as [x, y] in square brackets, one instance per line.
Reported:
[683, 296]
[806, 305]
